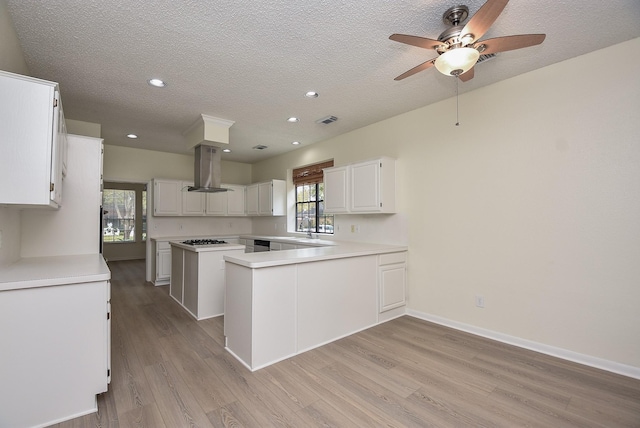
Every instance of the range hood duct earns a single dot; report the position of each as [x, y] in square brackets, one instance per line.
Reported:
[207, 170]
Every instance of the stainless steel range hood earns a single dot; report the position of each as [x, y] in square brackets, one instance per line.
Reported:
[207, 170]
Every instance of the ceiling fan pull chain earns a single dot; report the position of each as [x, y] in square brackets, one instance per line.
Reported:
[457, 109]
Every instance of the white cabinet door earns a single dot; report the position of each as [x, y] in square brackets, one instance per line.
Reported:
[336, 190]
[193, 203]
[216, 203]
[235, 199]
[31, 143]
[372, 187]
[365, 186]
[392, 284]
[167, 197]
[163, 263]
[252, 199]
[176, 282]
[265, 198]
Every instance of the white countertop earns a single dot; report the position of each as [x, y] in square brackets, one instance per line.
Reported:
[337, 250]
[206, 248]
[50, 271]
[294, 240]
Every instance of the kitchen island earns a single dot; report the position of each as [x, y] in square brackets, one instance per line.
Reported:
[198, 275]
[279, 304]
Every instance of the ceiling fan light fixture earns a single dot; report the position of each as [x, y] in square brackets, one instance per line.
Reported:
[457, 61]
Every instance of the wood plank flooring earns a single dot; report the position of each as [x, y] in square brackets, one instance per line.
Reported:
[169, 370]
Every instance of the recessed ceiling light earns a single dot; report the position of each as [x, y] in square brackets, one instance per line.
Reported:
[311, 94]
[132, 136]
[157, 83]
[293, 119]
[295, 143]
[226, 150]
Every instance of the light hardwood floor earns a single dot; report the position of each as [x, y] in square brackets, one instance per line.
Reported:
[169, 370]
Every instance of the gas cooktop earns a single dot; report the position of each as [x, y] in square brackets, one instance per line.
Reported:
[203, 242]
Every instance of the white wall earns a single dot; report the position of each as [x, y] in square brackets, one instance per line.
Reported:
[532, 202]
[139, 166]
[11, 59]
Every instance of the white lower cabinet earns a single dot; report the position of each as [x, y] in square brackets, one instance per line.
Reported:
[392, 284]
[163, 263]
[55, 352]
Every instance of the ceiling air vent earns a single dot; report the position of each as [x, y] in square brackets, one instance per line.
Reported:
[327, 120]
[259, 147]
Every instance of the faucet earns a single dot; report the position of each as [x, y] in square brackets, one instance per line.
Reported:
[309, 235]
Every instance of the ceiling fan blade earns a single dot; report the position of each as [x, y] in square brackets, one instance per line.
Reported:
[468, 75]
[509, 43]
[483, 18]
[416, 69]
[420, 42]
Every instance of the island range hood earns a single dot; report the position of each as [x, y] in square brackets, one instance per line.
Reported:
[202, 136]
[207, 170]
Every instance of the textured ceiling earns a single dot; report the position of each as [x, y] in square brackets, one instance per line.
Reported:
[252, 61]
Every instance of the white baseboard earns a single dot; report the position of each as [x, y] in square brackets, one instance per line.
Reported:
[565, 354]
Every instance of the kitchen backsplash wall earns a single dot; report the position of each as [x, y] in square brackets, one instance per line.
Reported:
[198, 226]
[377, 228]
[10, 231]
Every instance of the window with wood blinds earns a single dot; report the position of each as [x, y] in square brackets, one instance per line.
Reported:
[310, 216]
[310, 174]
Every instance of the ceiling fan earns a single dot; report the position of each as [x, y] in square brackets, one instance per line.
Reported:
[459, 46]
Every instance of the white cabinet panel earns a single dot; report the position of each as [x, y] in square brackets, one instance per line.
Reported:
[336, 185]
[235, 199]
[163, 263]
[252, 199]
[361, 188]
[392, 283]
[193, 203]
[216, 203]
[33, 139]
[167, 197]
[267, 199]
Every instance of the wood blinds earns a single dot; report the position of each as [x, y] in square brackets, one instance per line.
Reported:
[310, 174]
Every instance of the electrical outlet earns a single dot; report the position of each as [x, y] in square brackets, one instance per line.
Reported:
[480, 301]
[355, 228]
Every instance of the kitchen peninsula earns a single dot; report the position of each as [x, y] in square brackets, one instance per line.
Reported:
[279, 304]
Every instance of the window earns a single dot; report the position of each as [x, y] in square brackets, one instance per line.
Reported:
[124, 208]
[119, 220]
[310, 216]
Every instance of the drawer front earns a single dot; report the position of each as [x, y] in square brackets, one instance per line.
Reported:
[391, 258]
[163, 245]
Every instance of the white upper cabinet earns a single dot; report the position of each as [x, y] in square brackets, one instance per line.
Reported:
[193, 203]
[216, 203]
[171, 198]
[167, 197]
[267, 199]
[336, 189]
[252, 199]
[361, 188]
[235, 199]
[32, 142]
